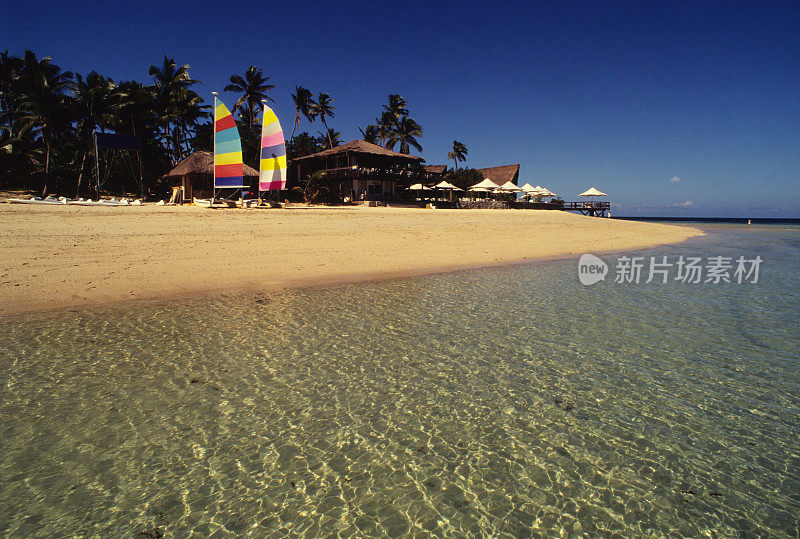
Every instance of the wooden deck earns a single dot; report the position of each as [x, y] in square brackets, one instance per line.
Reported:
[598, 209]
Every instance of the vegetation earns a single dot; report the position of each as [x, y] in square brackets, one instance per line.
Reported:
[302, 98]
[394, 127]
[321, 108]
[48, 117]
[458, 153]
[253, 87]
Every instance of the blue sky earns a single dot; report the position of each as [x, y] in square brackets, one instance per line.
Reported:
[674, 109]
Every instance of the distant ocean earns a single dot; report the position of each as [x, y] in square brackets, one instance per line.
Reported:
[501, 401]
[726, 220]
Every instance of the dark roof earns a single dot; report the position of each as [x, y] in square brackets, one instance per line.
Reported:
[359, 146]
[200, 163]
[501, 174]
[435, 169]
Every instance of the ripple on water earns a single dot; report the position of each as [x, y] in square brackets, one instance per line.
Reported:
[484, 402]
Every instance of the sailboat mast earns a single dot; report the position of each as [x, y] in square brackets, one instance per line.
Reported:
[213, 149]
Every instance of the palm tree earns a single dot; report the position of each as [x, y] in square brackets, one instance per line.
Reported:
[171, 82]
[406, 132]
[10, 73]
[254, 87]
[323, 107]
[371, 134]
[397, 106]
[96, 103]
[386, 125]
[459, 153]
[302, 98]
[333, 136]
[43, 106]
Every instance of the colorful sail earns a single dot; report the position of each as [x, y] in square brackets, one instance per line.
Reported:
[272, 173]
[228, 165]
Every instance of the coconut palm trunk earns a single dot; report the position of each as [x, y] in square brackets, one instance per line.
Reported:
[80, 173]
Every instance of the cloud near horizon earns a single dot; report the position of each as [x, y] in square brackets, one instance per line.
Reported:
[675, 179]
[686, 204]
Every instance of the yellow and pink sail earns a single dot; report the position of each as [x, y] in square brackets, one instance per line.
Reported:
[228, 164]
[272, 173]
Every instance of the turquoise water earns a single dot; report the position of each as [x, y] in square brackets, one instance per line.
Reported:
[507, 401]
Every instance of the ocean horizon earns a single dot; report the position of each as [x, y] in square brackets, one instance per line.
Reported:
[510, 400]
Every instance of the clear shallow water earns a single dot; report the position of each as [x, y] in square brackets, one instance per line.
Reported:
[503, 401]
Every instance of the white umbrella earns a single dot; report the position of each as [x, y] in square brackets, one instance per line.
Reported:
[419, 187]
[485, 184]
[592, 193]
[528, 188]
[446, 185]
[547, 192]
[510, 187]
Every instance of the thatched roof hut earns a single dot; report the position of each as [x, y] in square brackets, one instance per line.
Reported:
[502, 174]
[200, 163]
[191, 176]
[359, 147]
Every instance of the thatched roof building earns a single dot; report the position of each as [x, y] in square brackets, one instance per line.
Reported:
[435, 169]
[358, 147]
[191, 176]
[200, 163]
[361, 170]
[501, 174]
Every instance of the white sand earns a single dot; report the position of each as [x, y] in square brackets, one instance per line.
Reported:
[69, 256]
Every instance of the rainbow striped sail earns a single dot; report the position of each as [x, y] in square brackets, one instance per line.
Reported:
[273, 153]
[228, 166]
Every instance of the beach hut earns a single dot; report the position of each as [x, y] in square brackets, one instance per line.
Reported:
[192, 176]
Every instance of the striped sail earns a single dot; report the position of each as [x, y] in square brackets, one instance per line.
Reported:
[228, 166]
[272, 173]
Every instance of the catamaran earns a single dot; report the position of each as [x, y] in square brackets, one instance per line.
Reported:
[272, 168]
[228, 163]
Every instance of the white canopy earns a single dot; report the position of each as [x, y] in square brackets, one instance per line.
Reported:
[446, 185]
[547, 192]
[528, 188]
[419, 187]
[485, 184]
[592, 193]
[510, 187]
[481, 189]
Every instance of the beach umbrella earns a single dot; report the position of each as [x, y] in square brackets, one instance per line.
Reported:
[592, 192]
[485, 184]
[547, 192]
[419, 187]
[447, 185]
[528, 188]
[510, 187]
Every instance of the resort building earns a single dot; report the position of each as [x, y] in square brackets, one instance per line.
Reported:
[363, 171]
[434, 173]
[502, 174]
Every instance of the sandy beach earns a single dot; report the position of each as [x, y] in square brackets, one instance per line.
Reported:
[70, 256]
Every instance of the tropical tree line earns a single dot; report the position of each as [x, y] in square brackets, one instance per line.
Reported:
[394, 128]
[48, 116]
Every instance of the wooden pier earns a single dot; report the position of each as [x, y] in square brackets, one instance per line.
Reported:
[594, 209]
